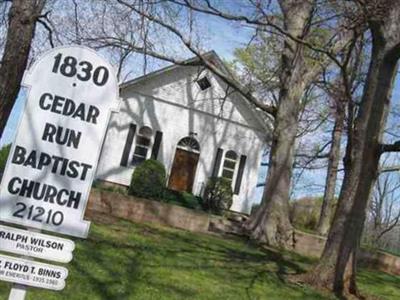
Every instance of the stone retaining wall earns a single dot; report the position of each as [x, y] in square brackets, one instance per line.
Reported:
[312, 245]
[143, 210]
[308, 244]
[384, 262]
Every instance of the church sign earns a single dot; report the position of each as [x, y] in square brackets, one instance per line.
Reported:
[53, 160]
[52, 163]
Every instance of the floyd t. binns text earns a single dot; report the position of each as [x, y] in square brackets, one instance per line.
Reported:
[32, 273]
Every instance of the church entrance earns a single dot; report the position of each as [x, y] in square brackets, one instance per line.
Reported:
[185, 165]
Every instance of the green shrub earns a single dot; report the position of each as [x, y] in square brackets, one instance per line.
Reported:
[148, 180]
[304, 212]
[184, 199]
[218, 195]
[98, 184]
[3, 157]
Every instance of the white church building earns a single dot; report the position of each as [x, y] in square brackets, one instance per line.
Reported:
[187, 118]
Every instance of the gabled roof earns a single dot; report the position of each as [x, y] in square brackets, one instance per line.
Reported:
[212, 57]
[166, 69]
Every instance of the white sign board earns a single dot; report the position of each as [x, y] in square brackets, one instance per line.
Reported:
[32, 273]
[28, 243]
[53, 160]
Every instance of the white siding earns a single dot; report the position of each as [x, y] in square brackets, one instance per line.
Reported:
[173, 103]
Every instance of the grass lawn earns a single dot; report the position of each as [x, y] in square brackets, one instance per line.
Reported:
[122, 260]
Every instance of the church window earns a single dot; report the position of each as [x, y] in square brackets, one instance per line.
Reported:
[229, 166]
[142, 146]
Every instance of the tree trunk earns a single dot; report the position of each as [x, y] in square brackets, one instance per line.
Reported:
[22, 21]
[334, 157]
[336, 269]
[270, 224]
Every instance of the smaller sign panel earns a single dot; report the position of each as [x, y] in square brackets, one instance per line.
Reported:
[35, 244]
[31, 273]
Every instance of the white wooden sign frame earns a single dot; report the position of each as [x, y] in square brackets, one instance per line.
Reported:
[41, 171]
[48, 176]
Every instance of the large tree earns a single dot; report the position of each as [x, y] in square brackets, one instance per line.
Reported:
[336, 269]
[298, 70]
[343, 91]
[271, 221]
[23, 16]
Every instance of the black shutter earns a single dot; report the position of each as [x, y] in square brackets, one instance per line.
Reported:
[217, 162]
[128, 145]
[239, 176]
[156, 145]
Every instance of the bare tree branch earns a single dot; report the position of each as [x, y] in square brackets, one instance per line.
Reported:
[227, 78]
[395, 147]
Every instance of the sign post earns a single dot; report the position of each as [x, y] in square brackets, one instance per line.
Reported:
[17, 292]
[52, 163]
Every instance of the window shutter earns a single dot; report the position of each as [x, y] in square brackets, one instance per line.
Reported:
[156, 145]
[217, 162]
[128, 145]
[239, 176]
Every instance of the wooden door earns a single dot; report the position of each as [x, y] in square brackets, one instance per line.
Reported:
[183, 171]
